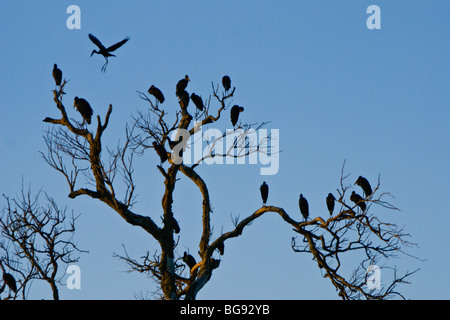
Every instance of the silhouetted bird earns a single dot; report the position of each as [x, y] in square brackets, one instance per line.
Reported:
[358, 200]
[57, 75]
[84, 108]
[174, 225]
[264, 192]
[234, 114]
[221, 248]
[214, 263]
[365, 185]
[330, 203]
[184, 98]
[304, 208]
[198, 101]
[106, 52]
[160, 150]
[226, 82]
[189, 260]
[182, 84]
[10, 281]
[154, 91]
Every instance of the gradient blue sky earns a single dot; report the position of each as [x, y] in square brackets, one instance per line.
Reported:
[335, 90]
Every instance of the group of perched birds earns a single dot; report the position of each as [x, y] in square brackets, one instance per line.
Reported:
[82, 106]
[184, 99]
[330, 199]
[85, 109]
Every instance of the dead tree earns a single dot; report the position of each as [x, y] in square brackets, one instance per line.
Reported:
[37, 241]
[74, 149]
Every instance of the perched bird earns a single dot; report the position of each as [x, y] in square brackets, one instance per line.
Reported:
[264, 192]
[234, 114]
[214, 263]
[358, 200]
[106, 52]
[182, 84]
[221, 248]
[184, 98]
[84, 108]
[198, 101]
[304, 208]
[189, 260]
[330, 202]
[365, 185]
[226, 82]
[10, 281]
[154, 91]
[173, 224]
[57, 74]
[161, 151]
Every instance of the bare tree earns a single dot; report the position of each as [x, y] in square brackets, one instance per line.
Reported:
[181, 276]
[37, 241]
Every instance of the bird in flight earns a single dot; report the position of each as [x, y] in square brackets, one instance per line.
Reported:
[106, 52]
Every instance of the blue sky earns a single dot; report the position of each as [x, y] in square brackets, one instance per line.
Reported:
[336, 90]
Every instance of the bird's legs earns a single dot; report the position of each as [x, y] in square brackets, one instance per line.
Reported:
[105, 65]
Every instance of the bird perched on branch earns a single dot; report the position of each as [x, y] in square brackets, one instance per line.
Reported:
[84, 108]
[57, 74]
[358, 200]
[161, 151]
[221, 248]
[10, 281]
[226, 82]
[330, 203]
[106, 52]
[189, 260]
[234, 114]
[264, 192]
[181, 85]
[304, 207]
[184, 98]
[174, 225]
[365, 185]
[154, 91]
[198, 101]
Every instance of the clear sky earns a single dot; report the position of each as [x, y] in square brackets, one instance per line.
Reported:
[336, 91]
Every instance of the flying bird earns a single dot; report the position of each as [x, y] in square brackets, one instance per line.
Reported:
[358, 200]
[84, 108]
[161, 151]
[181, 85]
[234, 114]
[198, 101]
[330, 202]
[106, 52]
[57, 74]
[264, 192]
[10, 281]
[154, 91]
[189, 260]
[304, 208]
[226, 82]
[365, 185]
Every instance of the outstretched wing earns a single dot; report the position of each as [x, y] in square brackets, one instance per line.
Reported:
[117, 45]
[96, 42]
